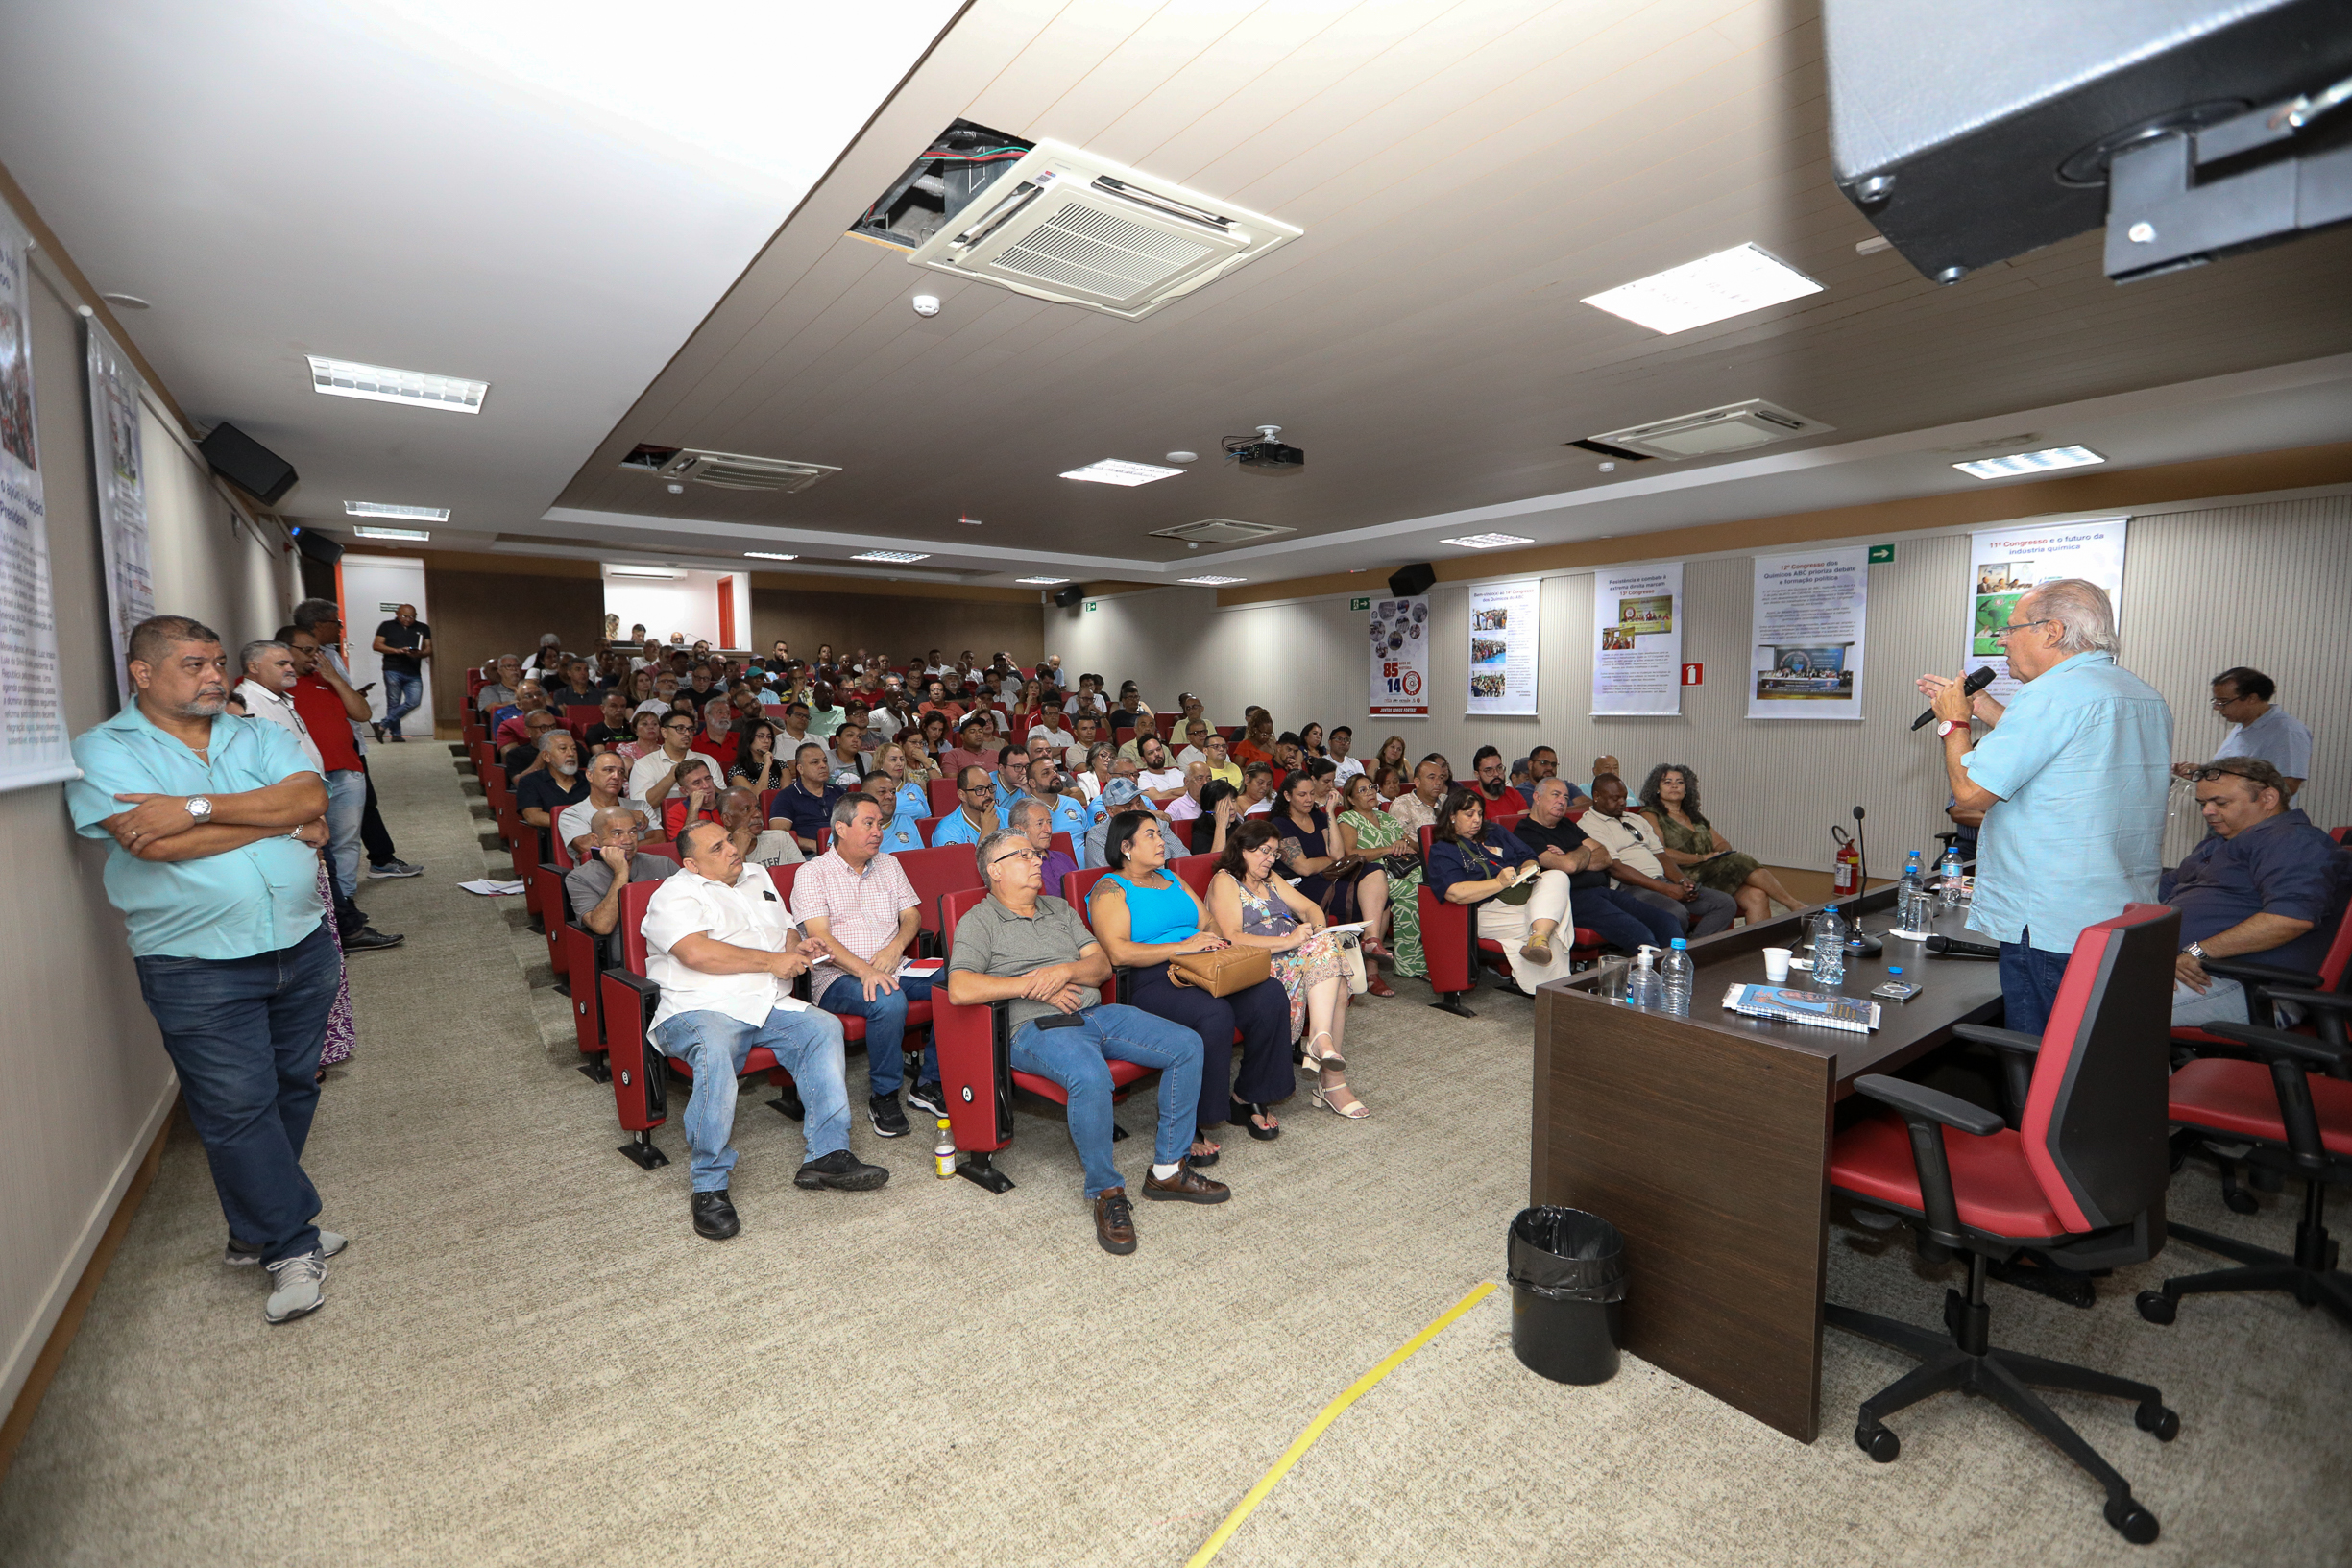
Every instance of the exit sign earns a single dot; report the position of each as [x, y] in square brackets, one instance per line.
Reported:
[1362, 603]
[1090, 606]
[1882, 552]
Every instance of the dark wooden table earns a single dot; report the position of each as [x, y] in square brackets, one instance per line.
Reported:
[1706, 1140]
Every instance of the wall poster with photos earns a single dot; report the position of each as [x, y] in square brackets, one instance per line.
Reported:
[1401, 657]
[35, 748]
[1503, 619]
[1638, 620]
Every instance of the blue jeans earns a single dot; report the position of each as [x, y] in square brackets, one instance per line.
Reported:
[347, 802]
[885, 1026]
[807, 1045]
[2029, 986]
[402, 694]
[1623, 921]
[245, 1034]
[1074, 1055]
[2221, 1001]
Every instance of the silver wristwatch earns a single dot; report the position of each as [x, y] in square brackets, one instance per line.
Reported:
[2196, 949]
[199, 807]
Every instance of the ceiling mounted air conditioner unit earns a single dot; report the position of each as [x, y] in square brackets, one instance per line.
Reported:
[1712, 432]
[726, 470]
[1221, 531]
[1062, 225]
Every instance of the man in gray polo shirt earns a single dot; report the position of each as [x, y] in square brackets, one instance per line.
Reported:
[1033, 953]
[2258, 728]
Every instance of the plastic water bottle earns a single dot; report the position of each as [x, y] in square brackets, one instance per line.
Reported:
[1911, 897]
[1952, 878]
[1641, 987]
[1677, 977]
[943, 1157]
[1830, 948]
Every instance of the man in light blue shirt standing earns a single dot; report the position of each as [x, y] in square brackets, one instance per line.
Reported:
[216, 822]
[2072, 778]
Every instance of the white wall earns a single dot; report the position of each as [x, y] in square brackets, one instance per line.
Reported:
[371, 585]
[686, 604]
[2264, 584]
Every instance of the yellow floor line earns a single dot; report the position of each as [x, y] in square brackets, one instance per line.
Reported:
[1330, 1413]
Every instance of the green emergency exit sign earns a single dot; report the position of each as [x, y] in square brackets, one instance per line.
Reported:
[1362, 603]
[1090, 606]
[1882, 552]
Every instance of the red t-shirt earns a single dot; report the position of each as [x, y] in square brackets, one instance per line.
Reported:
[1508, 801]
[329, 726]
[721, 751]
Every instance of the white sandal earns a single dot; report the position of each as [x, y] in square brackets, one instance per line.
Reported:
[1321, 1092]
[1318, 1062]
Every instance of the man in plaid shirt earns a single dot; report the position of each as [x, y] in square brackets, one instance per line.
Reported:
[858, 902]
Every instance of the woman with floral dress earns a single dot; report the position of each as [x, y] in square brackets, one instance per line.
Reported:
[1369, 834]
[1253, 907]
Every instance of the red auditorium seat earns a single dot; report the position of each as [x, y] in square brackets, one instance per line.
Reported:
[853, 1029]
[942, 792]
[948, 868]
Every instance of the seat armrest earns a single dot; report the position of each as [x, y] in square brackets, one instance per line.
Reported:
[2245, 971]
[1915, 1100]
[2278, 1046]
[2336, 1003]
[1999, 1039]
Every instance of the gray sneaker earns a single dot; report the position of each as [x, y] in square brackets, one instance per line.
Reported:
[237, 1255]
[296, 1288]
[394, 867]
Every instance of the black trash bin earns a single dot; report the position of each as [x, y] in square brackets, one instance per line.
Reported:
[1567, 1290]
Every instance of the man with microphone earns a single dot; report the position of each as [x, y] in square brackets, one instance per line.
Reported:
[2071, 777]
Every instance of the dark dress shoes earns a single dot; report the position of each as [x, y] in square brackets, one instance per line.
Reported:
[1114, 1221]
[1186, 1186]
[713, 1215]
[842, 1172]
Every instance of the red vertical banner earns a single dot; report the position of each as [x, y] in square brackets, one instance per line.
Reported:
[726, 612]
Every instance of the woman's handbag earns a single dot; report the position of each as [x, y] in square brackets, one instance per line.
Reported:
[1351, 960]
[1221, 973]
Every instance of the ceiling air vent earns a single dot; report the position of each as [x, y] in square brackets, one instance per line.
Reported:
[726, 470]
[1221, 531]
[1711, 432]
[1059, 224]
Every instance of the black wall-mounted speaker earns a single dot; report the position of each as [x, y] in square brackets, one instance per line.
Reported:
[1406, 582]
[1065, 598]
[317, 546]
[247, 463]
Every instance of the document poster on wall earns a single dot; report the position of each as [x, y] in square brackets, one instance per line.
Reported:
[1806, 654]
[1401, 657]
[1638, 617]
[33, 746]
[115, 388]
[1503, 648]
[2005, 563]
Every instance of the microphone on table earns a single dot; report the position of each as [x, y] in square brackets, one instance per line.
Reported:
[1959, 946]
[1978, 680]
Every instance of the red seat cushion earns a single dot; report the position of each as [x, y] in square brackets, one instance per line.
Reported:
[1990, 1180]
[2217, 1093]
[1121, 1073]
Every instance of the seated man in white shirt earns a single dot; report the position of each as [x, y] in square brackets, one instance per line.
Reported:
[1345, 767]
[1195, 743]
[1160, 782]
[1086, 734]
[1053, 730]
[722, 947]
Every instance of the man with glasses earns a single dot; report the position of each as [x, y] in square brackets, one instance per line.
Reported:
[805, 806]
[2257, 728]
[974, 816]
[2072, 778]
[2264, 883]
[654, 775]
[1029, 951]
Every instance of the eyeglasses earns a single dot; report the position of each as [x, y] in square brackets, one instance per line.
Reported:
[2003, 633]
[2219, 703]
[977, 789]
[1017, 855]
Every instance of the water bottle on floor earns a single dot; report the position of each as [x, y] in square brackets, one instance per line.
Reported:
[1953, 876]
[1676, 978]
[1641, 987]
[1830, 948]
[943, 1155]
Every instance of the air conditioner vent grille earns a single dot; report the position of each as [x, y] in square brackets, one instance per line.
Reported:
[1221, 531]
[1711, 432]
[731, 471]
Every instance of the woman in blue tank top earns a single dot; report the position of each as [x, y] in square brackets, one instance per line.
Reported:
[1143, 914]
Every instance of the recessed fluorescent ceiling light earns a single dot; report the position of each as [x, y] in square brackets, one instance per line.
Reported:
[384, 509]
[1710, 289]
[1486, 542]
[769, 555]
[891, 555]
[641, 572]
[380, 383]
[390, 533]
[2040, 462]
[1041, 582]
[1118, 471]
[1211, 582]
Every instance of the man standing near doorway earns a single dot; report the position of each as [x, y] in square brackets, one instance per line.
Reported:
[403, 643]
[326, 703]
[216, 823]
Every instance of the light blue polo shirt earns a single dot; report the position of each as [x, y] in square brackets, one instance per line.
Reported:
[2277, 739]
[258, 899]
[899, 834]
[955, 828]
[2081, 761]
[913, 803]
[1070, 817]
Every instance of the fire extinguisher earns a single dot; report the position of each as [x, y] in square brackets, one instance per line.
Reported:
[1848, 867]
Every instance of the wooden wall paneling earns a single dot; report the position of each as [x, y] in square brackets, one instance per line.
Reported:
[902, 626]
[478, 615]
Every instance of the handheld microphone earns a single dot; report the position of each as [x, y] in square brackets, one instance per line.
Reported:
[1978, 680]
[1956, 946]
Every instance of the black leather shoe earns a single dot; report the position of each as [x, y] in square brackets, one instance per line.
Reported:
[367, 939]
[840, 1170]
[713, 1215]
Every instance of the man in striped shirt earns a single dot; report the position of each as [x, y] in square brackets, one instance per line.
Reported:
[858, 902]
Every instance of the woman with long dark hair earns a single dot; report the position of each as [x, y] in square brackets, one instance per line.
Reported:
[1670, 800]
[1338, 883]
[1255, 907]
[1221, 807]
[756, 768]
[1144, 915]
[1513, 900]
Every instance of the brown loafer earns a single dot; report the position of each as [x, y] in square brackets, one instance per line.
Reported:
[1186, 1186]
[1114, 1221]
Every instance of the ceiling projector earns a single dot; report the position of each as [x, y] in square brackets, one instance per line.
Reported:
[1266, 455]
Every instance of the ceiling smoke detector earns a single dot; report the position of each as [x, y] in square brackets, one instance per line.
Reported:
[1711, 432]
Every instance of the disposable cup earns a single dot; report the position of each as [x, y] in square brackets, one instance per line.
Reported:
[1776, 964]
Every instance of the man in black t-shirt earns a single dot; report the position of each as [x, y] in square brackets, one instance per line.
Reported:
[403, 643]
[1622, 921]
[612, 727]
[541, 796]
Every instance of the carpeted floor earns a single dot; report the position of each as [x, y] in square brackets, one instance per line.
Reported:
[527, 1357]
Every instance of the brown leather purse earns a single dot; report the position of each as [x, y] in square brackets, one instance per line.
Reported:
[1223, 972]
